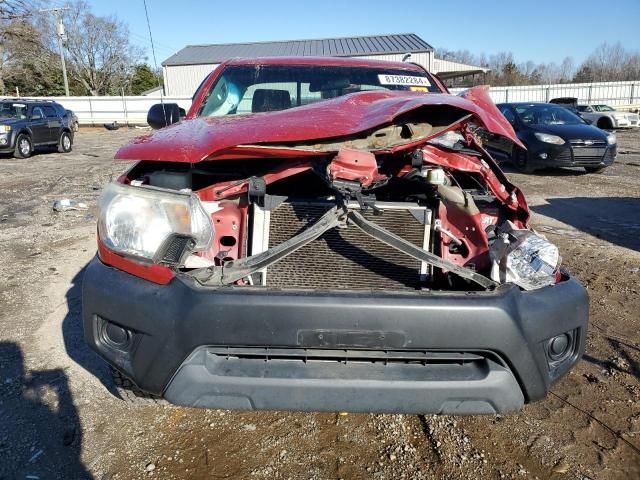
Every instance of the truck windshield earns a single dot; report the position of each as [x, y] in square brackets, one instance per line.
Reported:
[256, 88]
[14, 110]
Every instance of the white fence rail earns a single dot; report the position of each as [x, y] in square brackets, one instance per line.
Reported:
[124, 110]
[133, 110]
[612, 93]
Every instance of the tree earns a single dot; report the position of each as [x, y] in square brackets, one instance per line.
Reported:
[100, 56]
[584, 75]
[144, 78]
[18, 38]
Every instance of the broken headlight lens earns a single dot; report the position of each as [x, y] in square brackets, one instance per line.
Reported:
[139, 221]
[525, 258]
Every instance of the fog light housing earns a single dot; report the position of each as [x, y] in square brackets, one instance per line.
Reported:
[559, 346]
[114, 336]
[3, 140]
[543, 156]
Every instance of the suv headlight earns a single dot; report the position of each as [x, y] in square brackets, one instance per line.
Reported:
[525, 258]
[548, 138]
[611, 139]
[5, 128]
[152, 224]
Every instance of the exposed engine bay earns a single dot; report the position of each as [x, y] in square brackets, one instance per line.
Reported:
[414, 205]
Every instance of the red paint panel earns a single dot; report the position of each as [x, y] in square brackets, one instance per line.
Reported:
[355, 165]
[229, 226]
[153, 272]
[201, 139]
[231, 188]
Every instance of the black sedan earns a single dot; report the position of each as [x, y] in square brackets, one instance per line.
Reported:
[556, 137]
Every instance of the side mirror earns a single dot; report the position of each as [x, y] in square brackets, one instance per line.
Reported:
[161, 115]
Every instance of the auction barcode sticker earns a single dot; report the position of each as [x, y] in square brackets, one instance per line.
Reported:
[386, 79]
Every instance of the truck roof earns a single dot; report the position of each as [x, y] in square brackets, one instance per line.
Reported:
[332, 61]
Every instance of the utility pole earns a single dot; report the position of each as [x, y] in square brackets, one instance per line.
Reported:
[62, 37]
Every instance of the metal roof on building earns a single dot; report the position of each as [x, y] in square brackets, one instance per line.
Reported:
[324, 47]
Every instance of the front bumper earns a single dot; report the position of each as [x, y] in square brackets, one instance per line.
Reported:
[548, 155]
[259, 348]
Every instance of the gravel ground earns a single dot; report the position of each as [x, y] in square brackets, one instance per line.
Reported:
[58, 418]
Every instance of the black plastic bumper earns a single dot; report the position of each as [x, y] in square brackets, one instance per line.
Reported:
[179, 334]
[565, 156]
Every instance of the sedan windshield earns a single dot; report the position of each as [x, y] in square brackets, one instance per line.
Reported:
[546, 114]
[257, 88]
[14, 110]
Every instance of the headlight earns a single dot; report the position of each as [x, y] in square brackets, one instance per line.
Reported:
[525, 258]
[5, 128]
[547, 138]
[611, 139]
[146, 222]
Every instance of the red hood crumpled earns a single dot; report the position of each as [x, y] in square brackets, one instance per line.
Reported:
[199, 139]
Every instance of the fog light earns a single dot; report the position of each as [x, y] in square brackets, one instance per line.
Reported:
[3, 141]
[114, 336]
[543, 156]
[559, 346]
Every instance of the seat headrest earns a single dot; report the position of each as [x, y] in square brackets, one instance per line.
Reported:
[268, 100]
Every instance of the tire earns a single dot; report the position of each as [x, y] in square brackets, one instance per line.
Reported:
[520, 160]
[65, 143]
[24, 146]
[605, 123]
[131, 394]
[594, 169]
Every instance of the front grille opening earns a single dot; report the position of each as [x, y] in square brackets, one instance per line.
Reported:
[344, 258]
[346, 356]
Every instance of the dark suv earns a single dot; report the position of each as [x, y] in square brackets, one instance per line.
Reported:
[27, 124]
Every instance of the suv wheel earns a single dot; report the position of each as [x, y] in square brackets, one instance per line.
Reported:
[24, 147]
[65, 143]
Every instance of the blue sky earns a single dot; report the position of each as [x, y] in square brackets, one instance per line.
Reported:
[541, 30]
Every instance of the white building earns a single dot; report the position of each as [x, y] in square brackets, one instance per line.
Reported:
[184, 71]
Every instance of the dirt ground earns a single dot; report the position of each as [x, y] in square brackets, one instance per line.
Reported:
[58, 418]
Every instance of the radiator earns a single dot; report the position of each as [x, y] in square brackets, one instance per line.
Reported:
[344, 258]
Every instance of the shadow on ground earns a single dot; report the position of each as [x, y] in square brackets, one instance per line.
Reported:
[40, 432]
[73, 335]
[626, 360]
[614, 219]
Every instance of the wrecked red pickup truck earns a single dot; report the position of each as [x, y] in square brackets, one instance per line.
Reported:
[328, 234]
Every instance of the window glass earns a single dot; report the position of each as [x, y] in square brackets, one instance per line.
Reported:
[37, 111]
[49, 111]
[546, 114]
[508, 114]
[258, 88]
[603, 108]
[13, 110]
